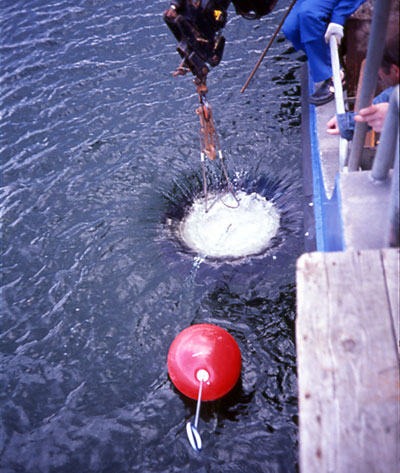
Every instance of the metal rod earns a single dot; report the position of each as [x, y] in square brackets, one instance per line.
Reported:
[337, 80]
[229, 184]
[196, 419]
[191, 429]
[385, 153]
[203, 169]
[339, 100]
[376, 44]
[268, 46]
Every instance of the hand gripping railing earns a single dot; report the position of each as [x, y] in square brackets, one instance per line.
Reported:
[387, 156]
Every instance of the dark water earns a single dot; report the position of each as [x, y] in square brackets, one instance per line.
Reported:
[97, 139]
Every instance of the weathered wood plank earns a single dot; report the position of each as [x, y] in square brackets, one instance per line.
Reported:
[347, 364]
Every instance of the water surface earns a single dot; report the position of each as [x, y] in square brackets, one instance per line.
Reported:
[97, 139]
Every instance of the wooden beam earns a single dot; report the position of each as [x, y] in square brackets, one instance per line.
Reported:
[348, 366]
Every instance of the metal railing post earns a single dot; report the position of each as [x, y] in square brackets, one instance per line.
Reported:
[388, 154]
[376, 46]
[386, 151]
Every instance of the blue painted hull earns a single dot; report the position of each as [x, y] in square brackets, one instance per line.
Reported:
[325, 224]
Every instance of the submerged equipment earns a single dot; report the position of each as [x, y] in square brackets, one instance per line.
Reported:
[204, 363]
[197, 25]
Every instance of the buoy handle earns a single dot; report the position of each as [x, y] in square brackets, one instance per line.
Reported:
[191, 430]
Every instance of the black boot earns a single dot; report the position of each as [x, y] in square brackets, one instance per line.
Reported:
[323, 94]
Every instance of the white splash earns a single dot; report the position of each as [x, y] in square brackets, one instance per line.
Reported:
[225, 232]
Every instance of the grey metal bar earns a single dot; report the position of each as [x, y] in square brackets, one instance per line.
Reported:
[376, 46]
[385, 153]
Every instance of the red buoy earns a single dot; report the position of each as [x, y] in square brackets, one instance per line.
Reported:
[204, 347]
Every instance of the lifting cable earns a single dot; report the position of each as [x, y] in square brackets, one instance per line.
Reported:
[210, 147]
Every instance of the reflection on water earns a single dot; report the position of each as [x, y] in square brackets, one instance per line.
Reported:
[95, 133]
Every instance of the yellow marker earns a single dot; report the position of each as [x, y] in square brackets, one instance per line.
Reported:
[217, 14]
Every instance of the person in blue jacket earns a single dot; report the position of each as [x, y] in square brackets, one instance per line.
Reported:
[309, 26]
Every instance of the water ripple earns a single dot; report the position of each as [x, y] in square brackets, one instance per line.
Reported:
[95, 131]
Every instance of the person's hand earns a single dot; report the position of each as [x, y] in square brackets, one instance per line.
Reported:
[374, 115]
[336, 30]
[171, 12]
[332, 126]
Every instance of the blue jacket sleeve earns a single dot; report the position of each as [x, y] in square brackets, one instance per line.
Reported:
[346, 122]
[343, 9]
[383, 96]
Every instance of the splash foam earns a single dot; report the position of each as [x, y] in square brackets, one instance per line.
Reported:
[230, 232]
